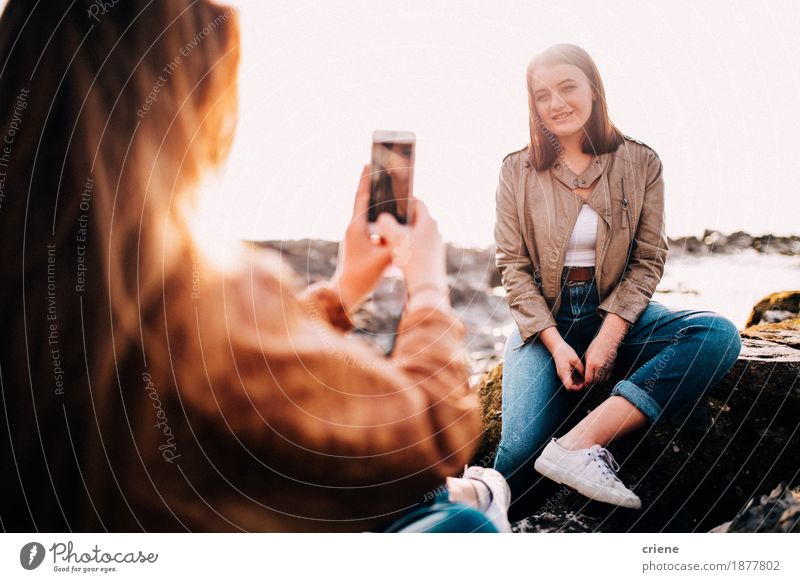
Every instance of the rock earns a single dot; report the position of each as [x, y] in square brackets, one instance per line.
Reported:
[688, 246]
[490, 391]
[313, 260]
[739, 241]
[476, 264]
[495, 280]
[695, 471]
[768, 244]
[555, 521]
[467, 292]
[775, 307]
[786, 332]
[716, 242]
[778, 512]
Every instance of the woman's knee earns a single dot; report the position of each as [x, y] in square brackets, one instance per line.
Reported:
[721, 336]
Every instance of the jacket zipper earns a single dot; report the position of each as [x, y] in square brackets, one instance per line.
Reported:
[625, 206]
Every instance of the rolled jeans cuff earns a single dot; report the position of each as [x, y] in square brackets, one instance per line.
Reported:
[639, 398]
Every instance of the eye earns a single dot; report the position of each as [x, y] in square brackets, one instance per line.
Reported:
[541, 97]
[569, 87]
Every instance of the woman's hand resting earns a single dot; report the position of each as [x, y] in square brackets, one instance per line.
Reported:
[602, 352]
[600, 357]
[568, 367]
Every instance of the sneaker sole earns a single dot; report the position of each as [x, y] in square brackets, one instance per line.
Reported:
[557, 474]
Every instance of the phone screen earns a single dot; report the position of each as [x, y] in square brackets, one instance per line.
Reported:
[392, 175]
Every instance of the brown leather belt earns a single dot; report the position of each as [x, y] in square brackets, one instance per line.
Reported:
[577, 275]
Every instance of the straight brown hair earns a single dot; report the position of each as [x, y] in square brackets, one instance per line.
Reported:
[600, 134]
[112, 113]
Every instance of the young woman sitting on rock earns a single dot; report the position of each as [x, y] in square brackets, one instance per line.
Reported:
[581, 246]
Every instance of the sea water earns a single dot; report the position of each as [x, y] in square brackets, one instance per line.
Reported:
[727, 284]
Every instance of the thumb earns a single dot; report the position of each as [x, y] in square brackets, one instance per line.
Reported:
[578, 366]
[421, 212]
[389, 229]
[589, 377]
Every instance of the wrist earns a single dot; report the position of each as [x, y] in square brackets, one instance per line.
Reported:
[441, 289]
[552, 339]
[430, 296]
[348, 297]
[614, 328]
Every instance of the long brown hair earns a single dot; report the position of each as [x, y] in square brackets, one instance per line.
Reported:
[600, 134]
[112, 112]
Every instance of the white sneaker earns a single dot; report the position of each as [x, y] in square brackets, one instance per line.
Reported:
[497, 507]
[591, 472]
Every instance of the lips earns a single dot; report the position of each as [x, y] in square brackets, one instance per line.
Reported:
[561, 116]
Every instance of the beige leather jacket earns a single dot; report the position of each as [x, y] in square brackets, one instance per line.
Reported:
[536, 213]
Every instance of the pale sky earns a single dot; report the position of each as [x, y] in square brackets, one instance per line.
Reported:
[713, 87]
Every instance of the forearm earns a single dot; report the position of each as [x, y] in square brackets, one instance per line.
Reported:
[614, 328]
[350, 298]
[551, 338]
[429, 297]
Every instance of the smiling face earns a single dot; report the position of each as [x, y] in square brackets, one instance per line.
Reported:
[563, 97]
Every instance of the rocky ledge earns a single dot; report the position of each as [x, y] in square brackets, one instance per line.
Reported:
[715, 242]
[778, 512]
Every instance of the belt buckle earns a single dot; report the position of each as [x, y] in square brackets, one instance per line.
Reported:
[565, 278]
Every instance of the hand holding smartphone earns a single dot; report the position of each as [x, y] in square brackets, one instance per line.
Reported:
[391, 187]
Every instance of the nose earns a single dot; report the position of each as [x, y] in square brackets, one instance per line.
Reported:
[558, 102]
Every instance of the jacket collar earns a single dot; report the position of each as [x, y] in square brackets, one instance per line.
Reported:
[572, 180]
[600, 198]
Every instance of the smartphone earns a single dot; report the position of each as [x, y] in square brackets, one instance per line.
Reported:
[392, 184]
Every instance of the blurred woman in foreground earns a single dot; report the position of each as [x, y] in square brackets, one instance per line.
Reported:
[144, 388]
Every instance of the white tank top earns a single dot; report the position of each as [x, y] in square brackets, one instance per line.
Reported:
[580, 248]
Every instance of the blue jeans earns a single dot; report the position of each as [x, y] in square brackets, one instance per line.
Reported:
[668, 360]
[442, 516]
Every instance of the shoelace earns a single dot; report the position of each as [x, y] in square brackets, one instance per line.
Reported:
[607, 461]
